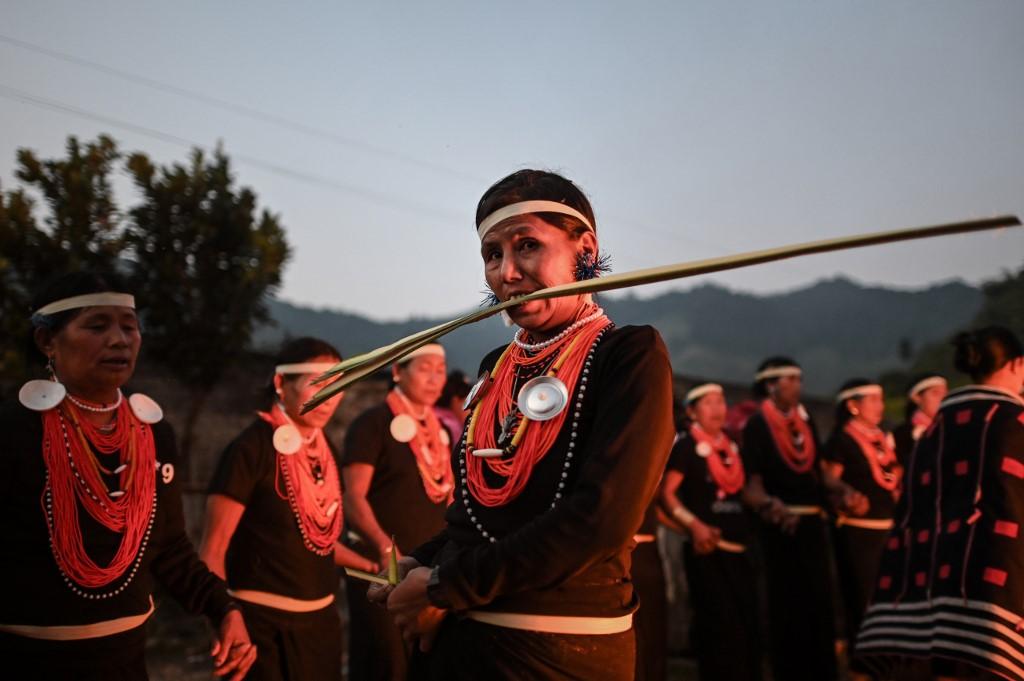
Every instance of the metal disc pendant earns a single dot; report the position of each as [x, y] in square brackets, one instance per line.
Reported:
[403, 428]
[42, 395]
[476, 393]
[287, 439]
[145, 408]
[488, 453]
[543, 398]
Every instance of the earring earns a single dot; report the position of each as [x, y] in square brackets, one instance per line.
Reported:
[40, 395]
[589, 266]
[855, 411]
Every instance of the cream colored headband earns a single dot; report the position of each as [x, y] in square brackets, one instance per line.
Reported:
[859, 391]
[778, 372]
[527, 207]
[304, 368]
[702, 390]
[431, 349]
[926, 383]
[87, 300]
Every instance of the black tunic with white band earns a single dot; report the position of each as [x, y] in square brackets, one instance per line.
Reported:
[562, 547]
[36, 597]
[951, 581]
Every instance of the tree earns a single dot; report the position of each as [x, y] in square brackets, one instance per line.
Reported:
[81, 231]
[204, 264]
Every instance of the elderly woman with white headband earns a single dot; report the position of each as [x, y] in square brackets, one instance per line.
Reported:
[398, 483]
[570, 427]
[273, 521]
[701, 494]
[90, 507]
[862, 455]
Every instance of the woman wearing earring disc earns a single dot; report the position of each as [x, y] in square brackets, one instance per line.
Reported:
[90, 510]
[273, 520]
[863, 456]
[569, 431]
[398, 483]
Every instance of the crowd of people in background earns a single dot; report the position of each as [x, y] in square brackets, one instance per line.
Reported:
[520, 515]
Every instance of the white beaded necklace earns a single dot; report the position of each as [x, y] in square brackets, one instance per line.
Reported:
[534, 347]
[99, 410]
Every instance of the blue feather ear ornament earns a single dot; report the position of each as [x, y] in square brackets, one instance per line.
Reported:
[589, 266]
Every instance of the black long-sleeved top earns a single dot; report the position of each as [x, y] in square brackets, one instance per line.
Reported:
[573, 558]
[841, 448]
[761, 457]
[33, 590]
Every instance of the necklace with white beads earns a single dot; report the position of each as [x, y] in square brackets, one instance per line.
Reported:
[101, 409]
[534, 347]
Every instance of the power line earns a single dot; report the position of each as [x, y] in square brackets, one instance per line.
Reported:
[368, 194]
[240, 109]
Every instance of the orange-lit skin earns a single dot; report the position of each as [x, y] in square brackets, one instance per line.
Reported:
[525, 254]
[421, 379]
[294, 391]
[94, 354]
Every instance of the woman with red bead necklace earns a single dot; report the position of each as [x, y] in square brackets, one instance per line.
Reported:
[273, 520]
[924, 396]
[701, 494]
[91, 511]
[569, 431]
[863, 456]
[789, 489]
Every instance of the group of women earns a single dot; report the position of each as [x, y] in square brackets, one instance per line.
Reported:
[513, 532]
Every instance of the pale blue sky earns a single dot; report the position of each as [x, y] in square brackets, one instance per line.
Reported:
[698, 129]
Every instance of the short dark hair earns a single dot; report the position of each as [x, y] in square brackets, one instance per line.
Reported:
[760, 388]
[298, 350]
[981, 352]
[842, 413]
[64, 286]
[455, 386]
[539, 185]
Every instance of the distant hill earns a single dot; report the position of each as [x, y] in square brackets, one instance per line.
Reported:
[835, 328]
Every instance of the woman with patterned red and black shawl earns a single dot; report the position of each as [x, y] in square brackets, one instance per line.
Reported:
[789, 489]
[273, 519]
[862, 455]
[950, 587]
[567, 439]
[90, 506]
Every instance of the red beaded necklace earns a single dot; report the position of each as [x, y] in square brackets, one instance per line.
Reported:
[433, 457]
[532, 440]
[311, 487]
[74, 477]
[724, 463]
[783, 427]
[878, 449]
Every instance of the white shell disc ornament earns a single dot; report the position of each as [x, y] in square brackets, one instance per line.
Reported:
[403, 428]
[145, 408]
[543, 398]
[42, 395]
[287, 439]
[704, 449]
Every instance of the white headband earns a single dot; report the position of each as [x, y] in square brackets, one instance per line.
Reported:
[429, 349]
[778, 372]
[526, 207]
[926, 383]
[304, 368]
[87, 300]
[702, 390]
[859, 391]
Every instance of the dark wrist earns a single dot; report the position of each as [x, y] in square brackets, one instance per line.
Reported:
[436, 593]
[229, 607]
